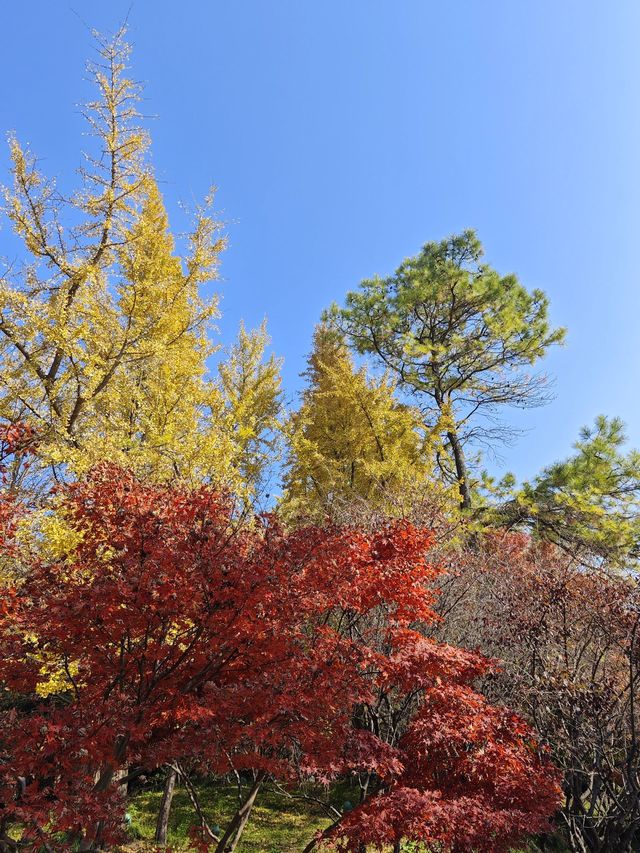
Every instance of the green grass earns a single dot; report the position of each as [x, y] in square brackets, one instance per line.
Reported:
[278, 824]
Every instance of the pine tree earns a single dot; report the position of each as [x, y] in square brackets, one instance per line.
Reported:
[588, 504]
[460, 337]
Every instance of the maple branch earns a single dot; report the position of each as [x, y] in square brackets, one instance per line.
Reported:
[321, 836]
[309, 799]
[193, 796]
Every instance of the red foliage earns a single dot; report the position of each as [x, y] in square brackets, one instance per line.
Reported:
[472, 777]
[17, 442]
[473, 780]
[186, 637]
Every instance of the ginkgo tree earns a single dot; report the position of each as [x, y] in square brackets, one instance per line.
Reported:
[352, 442]
[105, 325]
[251, 414]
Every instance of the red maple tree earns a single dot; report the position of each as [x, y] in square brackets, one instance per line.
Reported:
[181, 635]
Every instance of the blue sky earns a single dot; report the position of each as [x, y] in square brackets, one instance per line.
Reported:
[343, 134]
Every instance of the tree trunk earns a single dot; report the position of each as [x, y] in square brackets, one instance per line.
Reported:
[461, 469]
[104, 780]
[244, 819]
[231, 837]
[162, 824]
[315, 840]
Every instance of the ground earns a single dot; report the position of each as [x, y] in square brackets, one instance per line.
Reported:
[278, 823]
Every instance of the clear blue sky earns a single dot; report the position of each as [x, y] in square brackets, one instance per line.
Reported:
[343, 134]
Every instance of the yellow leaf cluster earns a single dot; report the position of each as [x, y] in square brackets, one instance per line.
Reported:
[352, 441]
[104, 333]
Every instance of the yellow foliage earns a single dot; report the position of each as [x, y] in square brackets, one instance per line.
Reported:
[55, 677]
[352, 440]
[104, 333]
[251, 389]
[58, 539]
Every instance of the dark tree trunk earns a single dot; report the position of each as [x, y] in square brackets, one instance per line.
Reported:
[461, 470]
[244, 819]
[231, 837]
[104, 780]
[162, 823]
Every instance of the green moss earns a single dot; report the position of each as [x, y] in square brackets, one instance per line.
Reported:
[278, 824]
